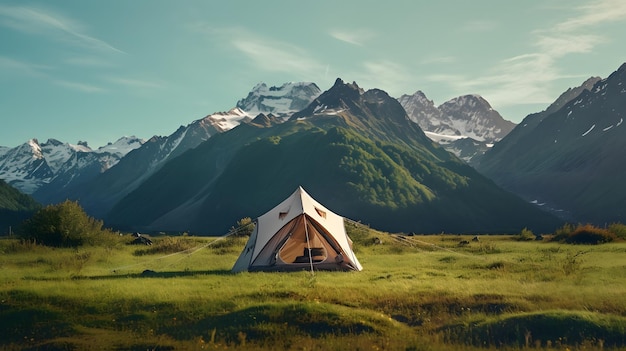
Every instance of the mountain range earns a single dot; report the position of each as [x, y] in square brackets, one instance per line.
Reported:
[54, 170]
[570, 158]
[362, 152]
[104, 190]
[356, 151]
[33, 165]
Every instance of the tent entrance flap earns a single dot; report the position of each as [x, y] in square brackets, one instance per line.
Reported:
[303, 248]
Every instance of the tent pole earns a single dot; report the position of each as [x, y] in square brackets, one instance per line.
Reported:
[308, 243]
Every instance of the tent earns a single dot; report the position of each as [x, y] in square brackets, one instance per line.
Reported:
[298, 234]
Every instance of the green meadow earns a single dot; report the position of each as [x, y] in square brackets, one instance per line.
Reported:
[415, 293]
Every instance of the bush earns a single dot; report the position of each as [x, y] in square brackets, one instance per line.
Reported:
[167, 245]
[361, 235]
[244, 227]
[526, 235]
[226, 245]
[563, 233]
[572, 262]
[588, 234]
[63, 225]
[618, 229]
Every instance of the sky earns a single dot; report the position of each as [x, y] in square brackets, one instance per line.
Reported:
[96, 71]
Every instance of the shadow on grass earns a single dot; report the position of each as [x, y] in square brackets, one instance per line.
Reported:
[542, 329]
[145, 274]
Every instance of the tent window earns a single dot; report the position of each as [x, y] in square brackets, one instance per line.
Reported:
[282, 215]
[320, 212]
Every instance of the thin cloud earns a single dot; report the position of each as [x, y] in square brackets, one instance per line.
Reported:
[383, 74]
[276, 56]
[82, 87]
[438, 60]
[597, 12]
[523, 79]
[479, 26]
[85, 61]
[354, 37]
[564, 44]
[575, 35]
[529, 78]
[264, 53]
[135, 83]
[33, 20]
[25, 68]
[446, 78]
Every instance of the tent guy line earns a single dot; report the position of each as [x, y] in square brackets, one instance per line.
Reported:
[191, 251]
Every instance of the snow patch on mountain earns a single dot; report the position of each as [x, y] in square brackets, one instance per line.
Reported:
[589, 130]
[443, 138]
[119, 148]
[228, 120]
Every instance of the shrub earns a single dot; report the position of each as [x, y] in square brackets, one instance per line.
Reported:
[526, 235]
[361, 235]
[17, 246]
[244, 227]
[226, 245]
[167, 245]
[618, 229]
[562, 233]
[63, 225]
[572, 262]
[589, 234]
[586, 234]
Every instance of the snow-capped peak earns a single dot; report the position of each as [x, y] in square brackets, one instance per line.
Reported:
[472, 116]
[282, 101]
[467, 116]
[34, 146]
[223, 121]
[471, 101]
[122, 146]
[81, 146]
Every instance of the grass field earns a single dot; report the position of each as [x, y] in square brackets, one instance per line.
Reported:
[415, 293]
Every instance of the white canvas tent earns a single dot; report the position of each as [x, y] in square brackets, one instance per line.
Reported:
[298, 234]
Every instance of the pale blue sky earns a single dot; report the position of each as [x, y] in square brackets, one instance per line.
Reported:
[100, 70]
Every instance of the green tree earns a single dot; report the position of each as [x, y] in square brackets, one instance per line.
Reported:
[65, 224]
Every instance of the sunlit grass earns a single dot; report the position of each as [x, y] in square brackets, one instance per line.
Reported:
[417, 294]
